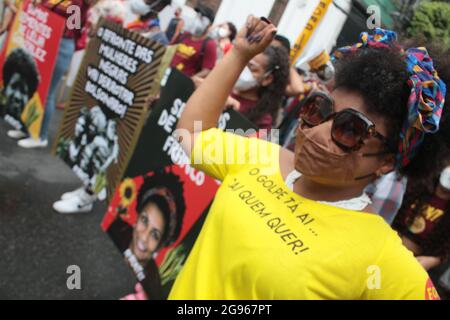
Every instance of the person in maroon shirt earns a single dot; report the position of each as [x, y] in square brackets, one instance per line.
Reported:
[196, 53]
[424, 220]
[67, 48]
[260, 88]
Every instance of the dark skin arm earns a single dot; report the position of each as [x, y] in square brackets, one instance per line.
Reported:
[295, 86]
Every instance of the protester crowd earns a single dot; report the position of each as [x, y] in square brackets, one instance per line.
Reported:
[386, 108]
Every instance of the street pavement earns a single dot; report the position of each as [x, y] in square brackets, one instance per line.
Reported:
[38, 244]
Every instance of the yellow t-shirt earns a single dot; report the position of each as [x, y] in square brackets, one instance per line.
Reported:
[262, 241]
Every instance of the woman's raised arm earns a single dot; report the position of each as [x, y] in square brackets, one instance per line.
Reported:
[203, 109]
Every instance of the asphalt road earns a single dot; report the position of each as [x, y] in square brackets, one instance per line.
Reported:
[38, 244]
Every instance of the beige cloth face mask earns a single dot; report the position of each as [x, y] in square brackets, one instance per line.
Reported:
[316, 155]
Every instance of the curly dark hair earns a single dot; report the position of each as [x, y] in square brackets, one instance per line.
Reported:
[424, 172]
[19, 61]
[173, 183]
[233, 31]
[380, 76]
[271, 97]
[283, 41]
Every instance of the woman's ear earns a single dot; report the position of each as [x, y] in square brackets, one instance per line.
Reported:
[387, 165]
[267, 80]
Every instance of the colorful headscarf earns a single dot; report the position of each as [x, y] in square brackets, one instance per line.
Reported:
[425, 103]
[427, 95]
[381, 39]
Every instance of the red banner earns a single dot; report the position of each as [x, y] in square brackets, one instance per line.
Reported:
[27, 64]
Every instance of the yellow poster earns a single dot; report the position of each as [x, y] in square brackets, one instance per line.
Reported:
[315, 19]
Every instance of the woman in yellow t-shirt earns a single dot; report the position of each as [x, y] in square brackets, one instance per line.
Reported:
[298, 225]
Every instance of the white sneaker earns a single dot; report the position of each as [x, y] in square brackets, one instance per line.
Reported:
[72, 194]
[79, 204]
[16, 134]
[31, 143]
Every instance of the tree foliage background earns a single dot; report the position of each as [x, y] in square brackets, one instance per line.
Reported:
[431, 20]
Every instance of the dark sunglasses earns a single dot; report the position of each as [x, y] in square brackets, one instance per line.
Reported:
[350, 128]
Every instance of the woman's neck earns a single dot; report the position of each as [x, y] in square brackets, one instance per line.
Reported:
[223, 42]
[319, 192]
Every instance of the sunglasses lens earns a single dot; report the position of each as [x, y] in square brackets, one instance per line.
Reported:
[316, 110]
[348, 129]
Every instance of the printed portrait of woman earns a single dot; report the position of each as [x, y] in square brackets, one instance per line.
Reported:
[158, 208]
[20, 82]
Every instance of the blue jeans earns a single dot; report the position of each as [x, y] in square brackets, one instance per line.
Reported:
[65, 53]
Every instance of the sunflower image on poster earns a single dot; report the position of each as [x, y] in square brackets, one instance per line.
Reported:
[148, 214]
[151, 219]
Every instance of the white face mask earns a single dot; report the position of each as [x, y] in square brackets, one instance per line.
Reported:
[246, 81]
[445, 179]
[220, 33]
[223, 33]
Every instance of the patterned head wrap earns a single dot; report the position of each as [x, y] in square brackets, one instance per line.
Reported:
[427, 96]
